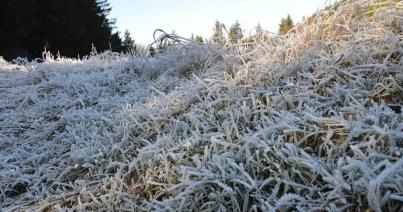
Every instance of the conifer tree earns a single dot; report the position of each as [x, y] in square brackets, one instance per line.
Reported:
[70, 27]
[235, 33]
[286, 25]
[128, 43]
[199, 39]
[218, 35]
[116, 42]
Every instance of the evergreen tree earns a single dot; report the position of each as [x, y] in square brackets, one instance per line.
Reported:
[286, 25]
[235, 33]
[199, 39]
[128, 44]
[70, 27]
[18, 24]
[218, 35]
[116, 42]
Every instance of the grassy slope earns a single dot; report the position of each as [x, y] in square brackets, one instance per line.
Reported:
[299, 122]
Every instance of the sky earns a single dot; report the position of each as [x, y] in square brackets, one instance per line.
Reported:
[184, 17]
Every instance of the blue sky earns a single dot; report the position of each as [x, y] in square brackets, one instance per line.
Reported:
[142, 17]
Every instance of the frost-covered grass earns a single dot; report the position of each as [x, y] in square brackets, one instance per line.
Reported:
[306, 121]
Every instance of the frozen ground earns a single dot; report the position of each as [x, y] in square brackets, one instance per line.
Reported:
[302, 122]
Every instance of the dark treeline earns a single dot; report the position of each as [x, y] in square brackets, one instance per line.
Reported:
[68, 27]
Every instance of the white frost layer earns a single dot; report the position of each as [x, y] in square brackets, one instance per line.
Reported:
[297, 122]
